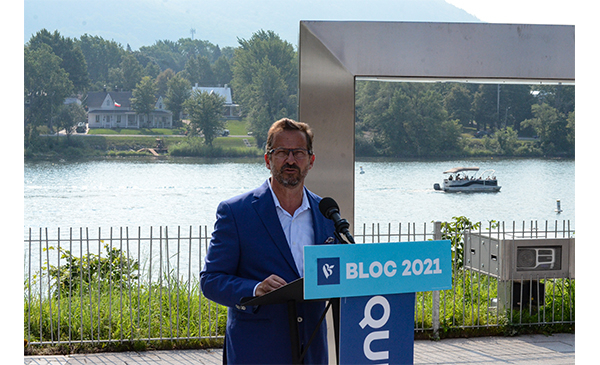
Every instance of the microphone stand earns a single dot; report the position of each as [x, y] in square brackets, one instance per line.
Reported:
[335, 303]
[340, 226]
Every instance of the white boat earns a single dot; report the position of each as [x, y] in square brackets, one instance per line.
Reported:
[467, 179]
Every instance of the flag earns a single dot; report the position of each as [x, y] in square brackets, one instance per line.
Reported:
[117, 104]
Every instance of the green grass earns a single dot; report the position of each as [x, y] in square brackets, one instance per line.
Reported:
[168, 310]
[141, 131]
[237, 127]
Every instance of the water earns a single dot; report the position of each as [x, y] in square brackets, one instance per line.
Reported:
[186, 192]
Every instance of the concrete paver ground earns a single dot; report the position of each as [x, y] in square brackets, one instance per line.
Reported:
[558, 349]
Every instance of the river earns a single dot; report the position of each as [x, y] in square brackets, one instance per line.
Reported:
[185, 192]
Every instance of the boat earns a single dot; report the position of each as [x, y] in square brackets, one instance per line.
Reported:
[467, 179]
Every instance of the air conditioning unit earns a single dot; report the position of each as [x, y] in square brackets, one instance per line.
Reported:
[530, 256]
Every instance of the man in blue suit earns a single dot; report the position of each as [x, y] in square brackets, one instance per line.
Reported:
[257, 247]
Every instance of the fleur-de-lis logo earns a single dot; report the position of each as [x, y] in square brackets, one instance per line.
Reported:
[328, 270]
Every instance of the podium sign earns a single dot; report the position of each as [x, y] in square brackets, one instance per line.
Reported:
[377, 330]
[337, 271]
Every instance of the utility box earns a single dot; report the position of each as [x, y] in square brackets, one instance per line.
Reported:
[515, 256]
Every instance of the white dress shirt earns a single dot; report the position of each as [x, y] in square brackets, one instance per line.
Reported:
[298, 229]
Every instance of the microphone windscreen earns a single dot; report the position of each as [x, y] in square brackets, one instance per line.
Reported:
[327, 205]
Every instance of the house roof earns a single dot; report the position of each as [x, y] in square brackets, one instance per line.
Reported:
[95, 99]
[221, 91]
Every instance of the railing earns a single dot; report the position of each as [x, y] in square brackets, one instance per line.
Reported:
[118, 285]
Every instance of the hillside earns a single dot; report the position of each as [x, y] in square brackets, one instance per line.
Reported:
[142, 22]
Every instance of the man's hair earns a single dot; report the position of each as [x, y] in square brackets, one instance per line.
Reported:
[286, 124]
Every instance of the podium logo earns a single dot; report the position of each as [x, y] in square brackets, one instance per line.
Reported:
[328, 271]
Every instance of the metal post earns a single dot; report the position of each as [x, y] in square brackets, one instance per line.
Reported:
[435, 307]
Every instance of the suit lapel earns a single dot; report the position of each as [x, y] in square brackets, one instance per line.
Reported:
[264, 206]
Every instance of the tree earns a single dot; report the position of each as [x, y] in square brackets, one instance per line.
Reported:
[68, 116]
[178, 91]
[222, 71]
[506, 139]
[152, 70]
[144, 97]
[485, 109]
[269, 100]
[71, 56]
[206, 114]
[166, 53]
[458, 104]
[101, 56]
[414, 123]
[553, 129]
[198, 71]
[515, 105]
[162, 81]
[265, 80]
[132, 71]
[47, 85]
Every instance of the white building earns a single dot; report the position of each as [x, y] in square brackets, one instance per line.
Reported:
[230, 110]
[113, 110]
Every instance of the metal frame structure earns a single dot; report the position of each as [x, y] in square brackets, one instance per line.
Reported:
[333, 54]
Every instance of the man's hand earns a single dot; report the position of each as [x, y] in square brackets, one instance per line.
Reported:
[269, 284]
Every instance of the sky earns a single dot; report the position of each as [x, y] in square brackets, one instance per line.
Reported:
[520, 11]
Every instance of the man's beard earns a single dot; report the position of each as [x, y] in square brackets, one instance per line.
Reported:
[288, 180]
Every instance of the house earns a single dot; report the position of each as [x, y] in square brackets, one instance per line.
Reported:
[113, 109]
[230, 110]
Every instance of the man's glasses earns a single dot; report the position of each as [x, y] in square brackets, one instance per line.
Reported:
[283, 153]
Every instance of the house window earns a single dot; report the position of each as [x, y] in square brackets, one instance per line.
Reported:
[97, 119]
[118, 119]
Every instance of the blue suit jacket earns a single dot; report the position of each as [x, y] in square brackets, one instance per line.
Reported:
[247, 245]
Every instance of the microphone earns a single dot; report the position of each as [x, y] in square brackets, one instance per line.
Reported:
[330, 209]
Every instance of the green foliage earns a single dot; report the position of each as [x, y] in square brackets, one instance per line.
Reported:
[198, 71]
[68, 117]
[100, 55]
[77, 273]
[195, 147]
[392, 119]
[454, 231]
[131, 72]
[178, 91]
[47, 85]
[555, 129]
[265, 80]
[71, 57]
[144, 97]
[205, 113]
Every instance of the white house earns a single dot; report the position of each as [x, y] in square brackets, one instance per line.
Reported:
[113, 110]
[230, 110]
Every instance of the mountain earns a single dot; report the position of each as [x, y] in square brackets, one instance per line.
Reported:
[143, 22]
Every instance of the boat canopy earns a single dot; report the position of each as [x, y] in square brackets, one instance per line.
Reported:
[461, 169]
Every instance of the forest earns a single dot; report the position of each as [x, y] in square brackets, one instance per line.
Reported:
[434, 119]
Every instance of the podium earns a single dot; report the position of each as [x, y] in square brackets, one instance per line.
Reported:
[370, 290]
[292, 294]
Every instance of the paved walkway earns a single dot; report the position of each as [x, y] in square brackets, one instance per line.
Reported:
[558, 349]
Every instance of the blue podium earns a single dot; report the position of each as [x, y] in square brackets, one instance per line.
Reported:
[376, 284]
[370, 290]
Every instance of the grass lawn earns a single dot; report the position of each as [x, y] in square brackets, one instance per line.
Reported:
[141, 131]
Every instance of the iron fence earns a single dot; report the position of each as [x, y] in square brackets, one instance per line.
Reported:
[121, 284]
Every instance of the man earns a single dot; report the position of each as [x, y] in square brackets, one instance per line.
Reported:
[257, 247]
